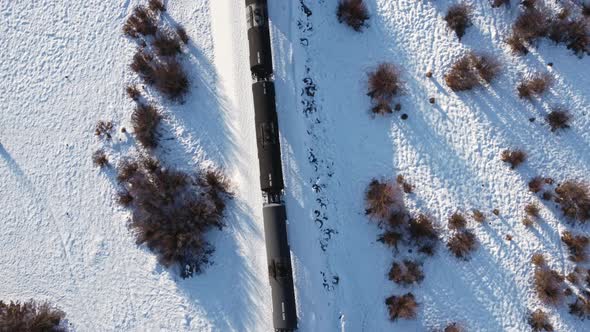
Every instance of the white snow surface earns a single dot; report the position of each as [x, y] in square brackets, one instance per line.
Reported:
[64, 66]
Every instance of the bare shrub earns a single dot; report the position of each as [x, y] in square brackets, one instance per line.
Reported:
[31, 316]
[167, 43]
[403, 306]
[391, 238]
[142, 65]
[577, 246]
[422, 229]
[558, 119]
[470, 70]
[457, 221]
[548, 285]
[462, 244]
[538, 260]
[133, 92]
[574, 200]
[145, 120]
[581, 307]
[458, 18]
[353, 13]
[173, 210]
[532, 210]
[382, 199]
[406, 273]
[171, 80]
[124, 198]
[181, 32]
[536, 184]
[99, 158]
[478, 216]
[575, 34]
[531, 24]
[103, 129]
[539, 321]
[407, 187]
[528, 221]
[513, 157]
[156, 6]
[534, 86]
[517, 45]
[384, 83]
[142, 22]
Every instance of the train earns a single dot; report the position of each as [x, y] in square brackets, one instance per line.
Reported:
[278, 254]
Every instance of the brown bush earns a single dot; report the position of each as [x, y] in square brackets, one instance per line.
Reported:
[574, 200]
[133, 92]
[558, 119]
[538, 260]
[422, 229]
[577, 246]
[478, 216]
[142, 22]
[391, 238]
[382, 199]
[181, 32]
[548, 285]
[404, 306]
[99, 158]
[536, 184]
[407, 187]
[173, 210]
[353, 13]
[124, 198]
[532, 210]
[531, 24]
[167, 43]
[539, 321]
[581, 307]
[156, 6]
[462, 244]
[457, 221]
[534, 86]
[142, 65]
[406, 273]
[31, 316]
[575, 34]
[528, 222]
[103, 129]
[517, 45]
[384, 83]
[145, 120]
[458, 18]
[171, 80]
[470, 70]
[513, 157]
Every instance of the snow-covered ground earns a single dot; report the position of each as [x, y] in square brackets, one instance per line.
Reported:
[63, 67]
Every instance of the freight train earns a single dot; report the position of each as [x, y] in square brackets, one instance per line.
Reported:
[271, 174]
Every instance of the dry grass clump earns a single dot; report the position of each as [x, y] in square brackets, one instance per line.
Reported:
[534, 86]
[403, 306]
[531, 24]
[478, 216]
[457, 18]
[383, 199]
[103, 129]
[133, 92]
[167, 43]
[457, 221]
[471, 70]
[549, 285]
[99, 158]
[538, 260]
[384, 84]
[142, 22]
[539, 321]
[558, 119]
[31, 316]
[156, 6]
[574, 200]
[406, 273]
[536, 184]
[514, 157]
[142, 65]
[391, 238]
[577, 246]
[173, 210]
[145, 120]
[353, 13]
[581, 307]
[532, 210]
[462, 244]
